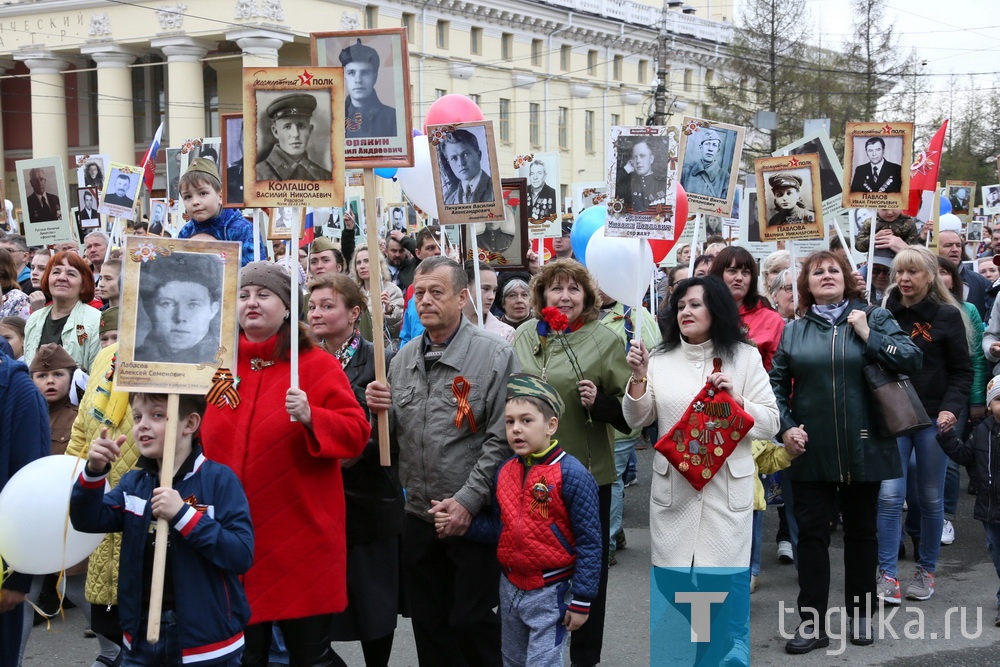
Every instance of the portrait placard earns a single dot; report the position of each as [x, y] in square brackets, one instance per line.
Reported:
[232, 158]
[991, 199]
[288, 116]
[877, 158]
[120, 190]
[159, 216]
[173, 169]
[329, 221]
[830, 169]
[641, 183]
[281, 220]
[542, 173]
[209, 148]
[466, 175]
[177, 328]
[504, 245]
[787, 196]
[962, 197]
[589, 193]
[90, 171]
[377, 120]
[974, 232]
[398, 216]
[88, 218]
[45, 201]
[709, 155]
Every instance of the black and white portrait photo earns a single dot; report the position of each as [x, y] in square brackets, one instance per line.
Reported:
[232, 155]
[282, 219]
[173, 165]
[120, 191]
[789, 197]
[877, 166]
[962, 197]
[180, 304]
[87, 215]
[465, 167]
[542, 173]
[709, 163]
[294, 145]
[42, 202]
[376, 92]
[974, 231]
[210, 149]
[331, 222]
[642, 172]
[991, 199]
[159, 216]
[829, 173]
[91, 170]
[397, 218]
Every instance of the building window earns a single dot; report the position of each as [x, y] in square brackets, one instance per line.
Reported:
[211, 102]
[504, 120]
[616, 120]
[476, 41]
[476, 98]
[709, 77]
[592, 62]
[148, 101]
[688, 80]
[439, 93]
[617, 71]
[371, 17]
[536, 52]
[639, 120]
[534, 113]
[563, 128]
[507, 46]
[643, 73]
[443, 28]
[407, 22]
[565, 51]
[588, 130]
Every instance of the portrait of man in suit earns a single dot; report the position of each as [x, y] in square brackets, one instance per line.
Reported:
[43, 206]
[464, 179]
[541, 195]
[122, 190]
[959, 198]
[87, 215]
[878, 174]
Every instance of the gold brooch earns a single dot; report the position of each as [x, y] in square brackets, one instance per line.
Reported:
[258, 364]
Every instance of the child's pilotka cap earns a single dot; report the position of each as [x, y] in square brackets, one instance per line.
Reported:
[109, 320]
[522, 385]
[993, 390]
[51, 356]
[204, 165]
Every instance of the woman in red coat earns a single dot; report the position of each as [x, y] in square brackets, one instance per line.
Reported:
[290, 471]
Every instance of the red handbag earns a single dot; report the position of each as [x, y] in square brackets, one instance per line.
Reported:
[699, 444]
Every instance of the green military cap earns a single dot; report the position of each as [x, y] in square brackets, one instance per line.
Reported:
[49, 357]
[359, 53]
[109, 320]
[204, 165]
[785, 181]
[321, 244]
[708, 134]
[296, 104]
[521, 385]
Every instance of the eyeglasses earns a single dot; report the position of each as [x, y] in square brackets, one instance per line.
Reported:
[879, 269]
[786, 288]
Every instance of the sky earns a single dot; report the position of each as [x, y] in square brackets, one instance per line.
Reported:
[962, 40]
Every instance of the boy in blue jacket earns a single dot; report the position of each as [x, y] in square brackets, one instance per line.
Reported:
[546, 516]
[210, 544]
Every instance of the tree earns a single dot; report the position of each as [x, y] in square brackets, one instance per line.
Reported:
[872, 56]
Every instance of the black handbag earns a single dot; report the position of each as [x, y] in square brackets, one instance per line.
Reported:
[898, 410]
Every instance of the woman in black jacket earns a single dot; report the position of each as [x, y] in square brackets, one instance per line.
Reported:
[938, 326]
[828, 418]
[373, 495]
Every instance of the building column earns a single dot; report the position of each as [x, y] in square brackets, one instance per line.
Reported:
[185, 87]
[115, 115]
[4, 66]
[49, 135]
[260, 47]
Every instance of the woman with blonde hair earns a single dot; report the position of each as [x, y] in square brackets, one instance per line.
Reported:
[391, 299]
[938, 326]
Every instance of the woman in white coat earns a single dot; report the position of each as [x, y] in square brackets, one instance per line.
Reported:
[711, 527]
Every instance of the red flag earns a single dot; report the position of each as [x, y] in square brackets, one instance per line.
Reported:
[924, 170]
[149, 159]
[309, 233]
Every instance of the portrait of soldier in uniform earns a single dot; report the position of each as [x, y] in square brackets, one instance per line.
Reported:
[638, 183]
[541, 195]
[991, 198]
[292, 127]
[878, 174]
[704, 172]
[364, 113]
[788, 206]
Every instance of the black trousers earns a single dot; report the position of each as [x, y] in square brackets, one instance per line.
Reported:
[307, 640]
[815, 503]
[585, 644]
[452, 585]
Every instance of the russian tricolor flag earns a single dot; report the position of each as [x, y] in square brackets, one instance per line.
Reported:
[309, 232]
[149, 159]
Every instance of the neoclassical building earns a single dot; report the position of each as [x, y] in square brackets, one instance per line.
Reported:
[98, 76]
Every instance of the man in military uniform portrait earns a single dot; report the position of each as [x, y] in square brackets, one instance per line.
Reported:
[703, 172]
[541, 195]
[292, 127]
[878, 174]
[364, 113]
[788, 207]
[637, 184]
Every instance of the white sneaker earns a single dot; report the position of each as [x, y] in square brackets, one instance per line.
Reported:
[753, 585]
[948, 533]
[785, 554]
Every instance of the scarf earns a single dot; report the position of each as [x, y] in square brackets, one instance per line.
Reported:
[347, 350]
[830, 312]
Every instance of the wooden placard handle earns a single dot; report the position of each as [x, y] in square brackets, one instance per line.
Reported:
[378, 320]
[162, 527]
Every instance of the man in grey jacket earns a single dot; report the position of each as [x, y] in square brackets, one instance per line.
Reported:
[445, 398]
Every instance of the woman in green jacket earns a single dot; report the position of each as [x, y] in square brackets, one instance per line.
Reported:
[829, 421]
[585, 361]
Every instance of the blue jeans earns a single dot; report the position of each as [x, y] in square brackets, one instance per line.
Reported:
[755, 543]
[623, 450]
[167, 651]
[993, 543]
[930, 471]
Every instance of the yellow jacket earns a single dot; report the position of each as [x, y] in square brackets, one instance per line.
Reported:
[102, 573]
[769, 457]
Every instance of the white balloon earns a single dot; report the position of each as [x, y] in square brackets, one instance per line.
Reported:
[949, 222]
[36, 536]
[622, 267]
[417, 181]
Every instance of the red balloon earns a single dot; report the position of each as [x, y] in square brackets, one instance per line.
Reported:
[452, 108]
[662, 248]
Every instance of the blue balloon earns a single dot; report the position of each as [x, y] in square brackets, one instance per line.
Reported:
[945, 205]
[386, 172]
[588, 222]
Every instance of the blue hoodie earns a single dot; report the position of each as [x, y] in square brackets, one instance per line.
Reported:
[229, 225]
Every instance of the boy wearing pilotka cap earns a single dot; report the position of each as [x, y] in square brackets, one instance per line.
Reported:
[545, 518]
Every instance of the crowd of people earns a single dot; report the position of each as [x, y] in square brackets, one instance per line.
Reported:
[496, 524]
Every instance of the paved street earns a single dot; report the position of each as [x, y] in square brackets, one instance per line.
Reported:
[965, 577]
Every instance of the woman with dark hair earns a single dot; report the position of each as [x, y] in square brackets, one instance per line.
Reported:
[68, 321]
[372, 493]
[710, 528]
[290, 470]
[829, 423]
[93, 176]
[738, 270]
[585, 361]
[702, 265]
[12, 300]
